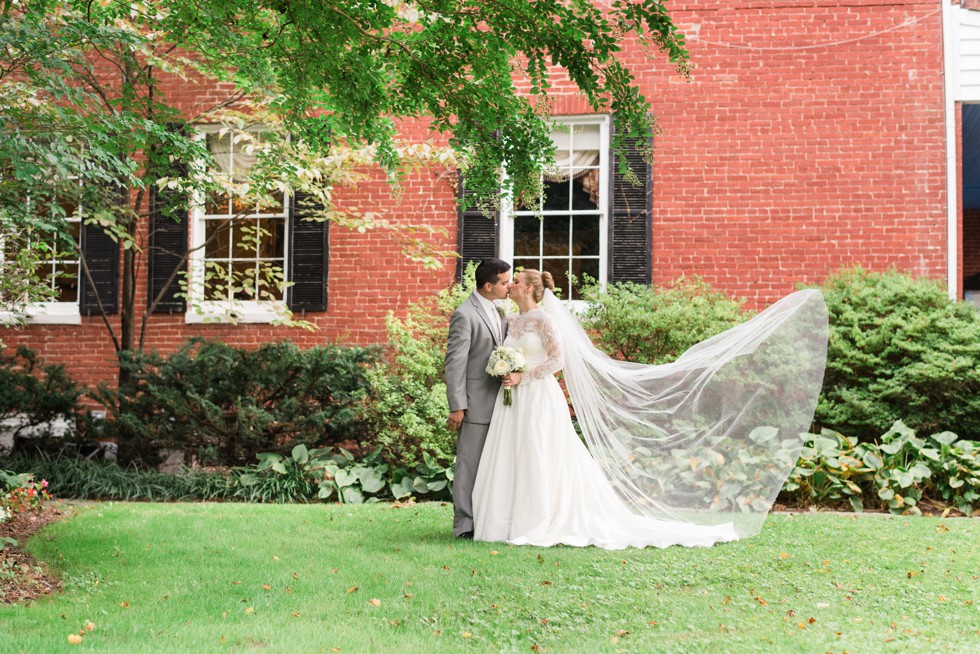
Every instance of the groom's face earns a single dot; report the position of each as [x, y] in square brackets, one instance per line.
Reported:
[499, 290]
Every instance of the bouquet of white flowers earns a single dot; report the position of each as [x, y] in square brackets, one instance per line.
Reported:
[505, 360]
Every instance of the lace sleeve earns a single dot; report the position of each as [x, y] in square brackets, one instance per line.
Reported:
[553, 347]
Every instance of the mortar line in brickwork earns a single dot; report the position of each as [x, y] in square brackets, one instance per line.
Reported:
[906, 23]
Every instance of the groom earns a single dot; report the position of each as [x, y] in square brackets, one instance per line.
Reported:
[475, 329]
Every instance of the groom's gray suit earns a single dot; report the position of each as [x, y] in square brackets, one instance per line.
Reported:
[470, 388]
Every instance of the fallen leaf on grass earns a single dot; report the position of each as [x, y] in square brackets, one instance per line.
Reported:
[89, 626]
[374, 602]
[296, 615]
[494, 552]
[125, 605]
[547, 583]
[352, 589]
[266, 587]
[783, 555]
[250, 610]
[467, 634]
[74, 639]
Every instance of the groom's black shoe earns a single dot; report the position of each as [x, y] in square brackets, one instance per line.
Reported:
[466, 535]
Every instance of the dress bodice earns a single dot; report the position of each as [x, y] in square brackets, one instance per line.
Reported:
[536, 334]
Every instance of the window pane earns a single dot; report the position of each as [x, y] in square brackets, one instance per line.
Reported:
[269, 279]
[245, 236]
[559, 271]
[271, 244]
[216, 282]
[555, 235]
[585, 235]
[46, 272]
[216, 248]
[556, 194]
[276, 206]
[218, 204]
[532, 263]
[585, 190]
[580, 268]
[66, 282]
[243, 279]
[526, 234]
[240, 207]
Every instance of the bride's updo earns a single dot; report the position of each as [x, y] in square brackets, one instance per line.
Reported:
[538, 281]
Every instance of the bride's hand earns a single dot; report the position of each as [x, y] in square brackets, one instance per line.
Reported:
[512, 379]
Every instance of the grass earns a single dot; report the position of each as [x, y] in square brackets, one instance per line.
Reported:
[373, 578]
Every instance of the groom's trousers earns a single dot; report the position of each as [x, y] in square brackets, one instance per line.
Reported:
[469, 448]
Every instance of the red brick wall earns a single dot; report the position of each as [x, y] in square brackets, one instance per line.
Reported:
[811, 137]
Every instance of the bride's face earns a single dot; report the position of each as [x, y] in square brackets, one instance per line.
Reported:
[519, 287]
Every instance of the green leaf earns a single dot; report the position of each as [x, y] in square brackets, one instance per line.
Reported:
[946, 437]
[352, 496]
[300, 454]
[343, 478]
[873, 460]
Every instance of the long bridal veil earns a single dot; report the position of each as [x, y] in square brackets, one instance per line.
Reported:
[711, 437]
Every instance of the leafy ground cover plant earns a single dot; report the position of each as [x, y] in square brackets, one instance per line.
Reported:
[895, 473]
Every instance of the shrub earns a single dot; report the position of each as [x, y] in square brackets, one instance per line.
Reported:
[899, 348]
[34, 392]
[654, 325]
[408, 407]
[224, 404]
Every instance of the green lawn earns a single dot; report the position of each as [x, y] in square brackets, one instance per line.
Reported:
[333, 578]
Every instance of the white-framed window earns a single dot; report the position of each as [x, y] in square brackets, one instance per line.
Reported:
[567, 233]
[58, 268]
[239, 250]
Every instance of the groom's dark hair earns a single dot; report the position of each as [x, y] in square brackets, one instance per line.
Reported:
[489, 270]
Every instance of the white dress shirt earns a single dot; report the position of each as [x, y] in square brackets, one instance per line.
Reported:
[491, 310]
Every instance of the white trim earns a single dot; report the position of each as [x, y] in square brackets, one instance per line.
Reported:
[233, 313]
[45, 313]
[952, 81]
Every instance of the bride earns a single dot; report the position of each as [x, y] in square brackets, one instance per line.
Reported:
[688, 453]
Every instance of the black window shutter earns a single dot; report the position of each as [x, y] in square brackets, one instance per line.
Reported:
[476, 232]
[101, 255]
[630, 229]
[169, 221]
[309, 256]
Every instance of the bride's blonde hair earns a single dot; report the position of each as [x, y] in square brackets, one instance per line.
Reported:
[538, 281]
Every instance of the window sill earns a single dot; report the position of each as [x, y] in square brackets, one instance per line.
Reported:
[227, 313]
[51, 313]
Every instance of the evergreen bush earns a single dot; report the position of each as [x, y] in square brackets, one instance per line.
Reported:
[649, 324]
[899, 349]
[35, 393]
[223, 404]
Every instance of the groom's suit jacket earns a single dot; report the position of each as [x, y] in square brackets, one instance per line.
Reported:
[471, 340]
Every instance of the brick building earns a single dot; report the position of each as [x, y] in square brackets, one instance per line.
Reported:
[814, 134]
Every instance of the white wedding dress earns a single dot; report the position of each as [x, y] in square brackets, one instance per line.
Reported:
[538, 484]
